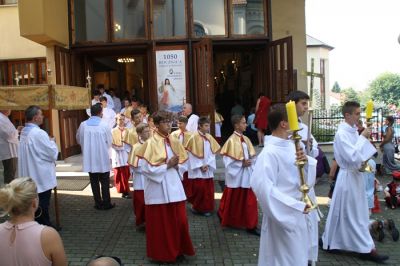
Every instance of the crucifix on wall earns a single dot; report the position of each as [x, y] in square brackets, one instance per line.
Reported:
[315, 96]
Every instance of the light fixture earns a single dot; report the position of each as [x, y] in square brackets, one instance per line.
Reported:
[126, 60]
[233, 61]
[117, 27]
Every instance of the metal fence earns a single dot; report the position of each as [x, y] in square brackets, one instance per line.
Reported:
[326, 122]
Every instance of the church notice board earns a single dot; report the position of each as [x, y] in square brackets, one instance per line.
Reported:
[60, 97]
[171, 74]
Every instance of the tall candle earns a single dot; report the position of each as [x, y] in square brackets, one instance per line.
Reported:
[369, 109]
[292, 116]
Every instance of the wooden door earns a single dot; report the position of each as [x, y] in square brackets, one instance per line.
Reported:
[152, 77]
[280, 75]
[69, 72]
[203, 81]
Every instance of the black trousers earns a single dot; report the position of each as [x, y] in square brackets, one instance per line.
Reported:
[103, 180]
[42, 214]
[10, 169]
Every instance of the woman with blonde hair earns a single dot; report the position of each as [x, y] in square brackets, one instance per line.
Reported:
[24, 242]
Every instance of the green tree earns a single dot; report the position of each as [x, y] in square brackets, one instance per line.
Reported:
[386, 88]
[351, 95]
[336, 88]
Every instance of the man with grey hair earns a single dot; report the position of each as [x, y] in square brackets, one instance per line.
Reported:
[37, 155]
[193, 119]
[8, 146]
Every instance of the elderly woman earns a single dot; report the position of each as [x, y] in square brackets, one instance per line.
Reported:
[24, 241]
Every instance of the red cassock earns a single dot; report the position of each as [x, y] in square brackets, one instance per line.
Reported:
[167, 232]
[187, 186]
[121, 176]
[238, 208]
[138, 206]
[202, 198]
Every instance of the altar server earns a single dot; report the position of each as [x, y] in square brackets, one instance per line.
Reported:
[238, 206]
[162, 160]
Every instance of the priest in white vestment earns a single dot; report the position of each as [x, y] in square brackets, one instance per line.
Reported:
[347, 225]
[8, 146]
[301, 100]
[163, 161]
[285, 232]
[37, 155]
[95, 138]
[193, 119]
[108, 113]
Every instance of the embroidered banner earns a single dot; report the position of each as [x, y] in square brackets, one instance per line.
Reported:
[70, 97]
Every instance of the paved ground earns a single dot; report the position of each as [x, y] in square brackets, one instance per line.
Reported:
[87, 232]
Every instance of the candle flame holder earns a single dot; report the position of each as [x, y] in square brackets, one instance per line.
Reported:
[304, 188]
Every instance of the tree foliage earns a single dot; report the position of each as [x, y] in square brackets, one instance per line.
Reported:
[336, 88]
[386, 88]
[351, 95]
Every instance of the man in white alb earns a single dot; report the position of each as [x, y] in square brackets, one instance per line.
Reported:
[193, 119]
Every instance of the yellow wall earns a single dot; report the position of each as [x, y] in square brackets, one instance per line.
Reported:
[288, 19]
[13, 46]
[44, 21]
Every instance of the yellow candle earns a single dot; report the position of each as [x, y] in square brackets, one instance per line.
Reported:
[292, 116]
[369, 109]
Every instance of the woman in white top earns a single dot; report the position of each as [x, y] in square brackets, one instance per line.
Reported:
[24, 242]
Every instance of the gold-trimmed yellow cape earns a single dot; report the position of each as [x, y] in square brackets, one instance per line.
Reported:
[233, 147]
[118, 136]
[195, 144]
[131, 136]
[186, 135]
[155, 153]
[218, 118]
[133, 159]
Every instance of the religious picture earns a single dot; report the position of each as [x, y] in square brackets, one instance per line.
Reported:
[171, 80]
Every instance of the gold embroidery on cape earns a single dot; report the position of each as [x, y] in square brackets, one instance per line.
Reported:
[133, 159]
[196, 144]
[233, 147]
[186, 135]
[155, 153]
[218, 118]
[117, 136]
[131, 137]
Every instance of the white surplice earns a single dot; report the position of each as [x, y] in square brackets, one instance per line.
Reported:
[193, 123]
[285, 232]
[8, 139]
[95, 138]
[37, 155]
[162, 185]
[195, 163]
[347, 225]
[314, 218]
[119, 154]
[110, 101]
[304, 135]
[109, 117]
[237, 176]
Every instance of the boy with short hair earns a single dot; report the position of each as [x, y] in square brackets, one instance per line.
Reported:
[143, 132]
[202, 148]
[347, 225]
[238, 205]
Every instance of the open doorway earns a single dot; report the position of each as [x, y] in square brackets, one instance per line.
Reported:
[126, 75]
[236, 78]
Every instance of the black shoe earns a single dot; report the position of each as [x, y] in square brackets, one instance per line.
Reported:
[392, 229]
[373, 256]
[109, 207]
[254, 231]
[98, 207]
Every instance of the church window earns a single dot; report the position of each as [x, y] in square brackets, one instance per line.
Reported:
[248, 17]
[8, 2]
[90, 20]
[169, 18]
[209, 18]
[128, 20]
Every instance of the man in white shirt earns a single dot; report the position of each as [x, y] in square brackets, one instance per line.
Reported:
[37, 155]
[103, 92]
[96, 99]
[193, 119]
[108, 113]
[95, 138]
[8, 146]
[285, 236]
[116, 101]
[347, 225]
